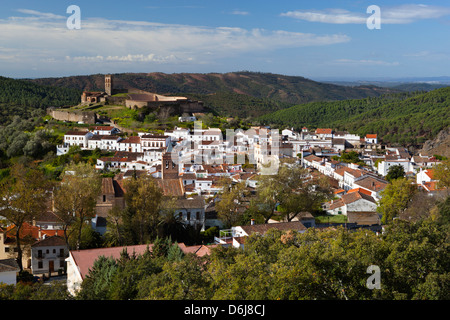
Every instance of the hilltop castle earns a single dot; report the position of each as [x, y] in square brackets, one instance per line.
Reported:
[135, 99]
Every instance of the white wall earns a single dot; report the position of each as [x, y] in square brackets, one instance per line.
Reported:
[74, 279]
[8, 277]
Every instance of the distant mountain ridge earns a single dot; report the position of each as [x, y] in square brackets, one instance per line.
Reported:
[262, 92]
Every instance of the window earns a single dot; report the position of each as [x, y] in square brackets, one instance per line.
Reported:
[104, 198]
[188, 216]
[40, 265]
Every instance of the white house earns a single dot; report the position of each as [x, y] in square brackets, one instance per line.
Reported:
[104, 142]
[323, 133]
[48, 255]
[150, 142]
[104, 130]
[371, 138]
[353, 201]
[8, 271]
[425, 176]
[191, 211]
[289, 134]
[77, 138]
[383, 166]
[206, 185]
[425, 179]
[131, 144]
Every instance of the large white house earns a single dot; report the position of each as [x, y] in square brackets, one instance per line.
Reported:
[384, 166]
[48, 255]
[354, 201]
[77, 138]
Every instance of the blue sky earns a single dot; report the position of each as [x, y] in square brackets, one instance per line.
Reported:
[314, 39]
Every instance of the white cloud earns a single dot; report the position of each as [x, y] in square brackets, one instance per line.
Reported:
[241, 13]
[366, 62]
[44, 37]
[335, 16]
[39, 14]
[402, 14]
[126, 58]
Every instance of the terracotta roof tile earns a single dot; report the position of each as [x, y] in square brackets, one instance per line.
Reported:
[85, 259]
[324, 131]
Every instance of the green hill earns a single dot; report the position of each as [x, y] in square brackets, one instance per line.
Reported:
[244, 94]
[21, 98]
[403, 118]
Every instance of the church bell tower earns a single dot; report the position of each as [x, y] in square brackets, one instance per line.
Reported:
[108, 84]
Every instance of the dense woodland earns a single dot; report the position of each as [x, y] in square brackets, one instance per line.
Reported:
[398, 119]
[23, 98]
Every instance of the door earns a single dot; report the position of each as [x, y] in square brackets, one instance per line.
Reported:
[51, 266]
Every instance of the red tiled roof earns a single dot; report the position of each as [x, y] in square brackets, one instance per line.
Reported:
[431, 186]
[323, 131]
[171, 187]
[430, 173]
[312, 157]
[132, 139]
[371, 136]
[355, 196]
[361, 190]
[199, 250]
[50, 242]
[371, 183]
[336, 204]
[84, 259]
[102, 128]
[29, 230]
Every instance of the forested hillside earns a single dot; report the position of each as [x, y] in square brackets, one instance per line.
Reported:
[21, 98]
[406, 118]
[230, 94]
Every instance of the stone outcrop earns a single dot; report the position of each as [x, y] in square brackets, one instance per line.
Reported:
[439, 145]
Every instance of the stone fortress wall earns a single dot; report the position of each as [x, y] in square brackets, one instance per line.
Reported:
[73, 116]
